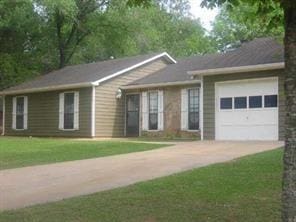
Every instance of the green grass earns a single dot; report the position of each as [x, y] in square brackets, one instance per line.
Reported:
[20, 152]
[247, 190]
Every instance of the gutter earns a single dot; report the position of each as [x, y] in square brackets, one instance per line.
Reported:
[153, 85]
[50, 88]
[238, 69]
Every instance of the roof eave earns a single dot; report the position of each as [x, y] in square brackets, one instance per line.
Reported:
[164, 55]
[238, 69]
[154, 85]
[45, 89]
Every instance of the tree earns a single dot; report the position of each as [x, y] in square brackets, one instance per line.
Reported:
[178, 7]
[232, 26]
[70, 19]
[19, 52]
[130, 31]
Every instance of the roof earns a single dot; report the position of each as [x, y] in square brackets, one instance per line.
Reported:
[256, 52]
[86, 74]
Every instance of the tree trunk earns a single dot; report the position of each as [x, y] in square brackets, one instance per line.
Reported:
[289, 175]
[59, 19]
[62, 62]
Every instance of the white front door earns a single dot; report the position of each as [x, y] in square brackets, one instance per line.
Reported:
[247, 110]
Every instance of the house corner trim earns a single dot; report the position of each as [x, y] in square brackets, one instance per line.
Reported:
[93, 112]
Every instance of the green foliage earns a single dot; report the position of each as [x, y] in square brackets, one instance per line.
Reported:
[123, 31]
[13, 71]
[20, 33]
[69, 22]
[268, 10]
[243, 23]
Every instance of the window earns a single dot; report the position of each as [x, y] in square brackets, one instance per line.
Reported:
[193, 109]
[226, 103]
[240, 102]
[270, 101]
[255, 102]
[20, 106]
[153, 110]
[69, 111]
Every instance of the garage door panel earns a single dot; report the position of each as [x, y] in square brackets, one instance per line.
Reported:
[247, 123]
[263, 117]
[247, 88]
[249, 118]
[251, 133]
[232, 118]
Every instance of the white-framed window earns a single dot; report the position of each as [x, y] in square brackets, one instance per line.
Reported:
[193, 109]
[20, 113]
[190, 108]
[69, 111]
[152, 110]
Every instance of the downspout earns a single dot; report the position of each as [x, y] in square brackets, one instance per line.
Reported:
[93, 112]
[201, 119]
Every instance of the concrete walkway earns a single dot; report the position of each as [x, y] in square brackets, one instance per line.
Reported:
[39, 184]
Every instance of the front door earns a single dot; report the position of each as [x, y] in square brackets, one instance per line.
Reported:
[132, 115]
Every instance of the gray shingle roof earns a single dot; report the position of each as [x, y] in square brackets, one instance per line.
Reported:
[258, 51]
[85, 73]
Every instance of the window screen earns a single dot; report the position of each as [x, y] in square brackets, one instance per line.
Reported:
[193, 107]
[69, 111]
[255, 102]
[240, 102]
[20, 108]
[226, 103]
[270, 101]
[153, 110]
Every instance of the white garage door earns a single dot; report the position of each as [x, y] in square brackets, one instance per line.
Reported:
[247, 110]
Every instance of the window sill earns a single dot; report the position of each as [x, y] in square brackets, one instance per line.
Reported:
[153, 130]
[69, 130]
[19, 129]
[193, 131]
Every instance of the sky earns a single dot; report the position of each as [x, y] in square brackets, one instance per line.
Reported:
[206, 15]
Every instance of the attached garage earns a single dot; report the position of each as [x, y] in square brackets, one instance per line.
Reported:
[247, 109]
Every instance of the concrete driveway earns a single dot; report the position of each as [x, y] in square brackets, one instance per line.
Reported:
[39, 184]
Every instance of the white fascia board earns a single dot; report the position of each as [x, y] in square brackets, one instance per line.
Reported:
[50, 88]
[238, 69]
[93, 112]
[164, 54]
[153, 85]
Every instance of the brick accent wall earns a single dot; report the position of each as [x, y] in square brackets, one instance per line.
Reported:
[172, 114]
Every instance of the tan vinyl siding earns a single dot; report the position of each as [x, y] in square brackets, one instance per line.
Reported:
[110, 112]
[209, 98]
[43, 115]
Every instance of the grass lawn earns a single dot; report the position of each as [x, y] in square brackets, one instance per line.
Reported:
[19, 152]
[247, 189]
